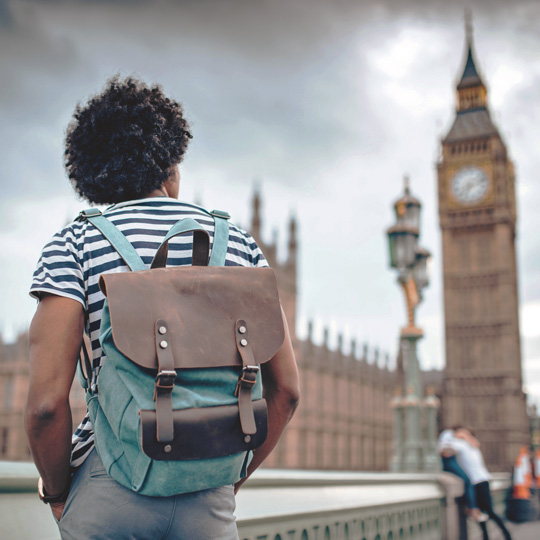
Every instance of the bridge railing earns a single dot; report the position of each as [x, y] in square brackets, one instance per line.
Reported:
[289, 505]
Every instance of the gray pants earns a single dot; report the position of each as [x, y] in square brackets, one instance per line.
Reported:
[100, 508]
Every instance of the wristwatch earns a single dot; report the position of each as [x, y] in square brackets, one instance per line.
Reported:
[48, 499]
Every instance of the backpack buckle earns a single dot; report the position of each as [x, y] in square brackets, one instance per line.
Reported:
[165, 380]
[247, 378]
[220, 214]
[88, 213]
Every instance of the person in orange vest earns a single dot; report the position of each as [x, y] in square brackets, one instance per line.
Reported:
[522, 479]
[536, 462]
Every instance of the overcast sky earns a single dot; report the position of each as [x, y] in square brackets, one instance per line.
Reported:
[326, 104]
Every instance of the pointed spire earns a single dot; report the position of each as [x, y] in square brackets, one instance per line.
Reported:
[469, 28]
[293, 244]
[325, 336]
[256, 217]
[471, 91]
[470, 75]
[353, 348]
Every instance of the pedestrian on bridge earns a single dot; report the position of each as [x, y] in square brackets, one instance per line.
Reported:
[471, 460]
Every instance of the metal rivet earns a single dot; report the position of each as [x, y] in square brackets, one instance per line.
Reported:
[163, 344]
[167, 448]
[247, 438]
[162, 330]
[242, 329]
[243, 342]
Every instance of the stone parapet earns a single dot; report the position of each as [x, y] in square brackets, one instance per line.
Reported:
[288, 504]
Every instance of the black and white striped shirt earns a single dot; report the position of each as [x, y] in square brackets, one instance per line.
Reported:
[71, 263]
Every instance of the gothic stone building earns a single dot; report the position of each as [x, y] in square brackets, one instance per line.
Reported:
[344, 419]
[477, 213]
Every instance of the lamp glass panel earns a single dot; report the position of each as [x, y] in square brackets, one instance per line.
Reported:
[410, 248]
[392, 250]
[402, 246]
[413, 216]
[420, 272]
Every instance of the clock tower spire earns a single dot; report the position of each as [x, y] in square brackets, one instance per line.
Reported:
[477, 215]
[471, 91]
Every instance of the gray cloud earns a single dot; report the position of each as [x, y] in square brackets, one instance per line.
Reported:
[304, 95]
[6, 20]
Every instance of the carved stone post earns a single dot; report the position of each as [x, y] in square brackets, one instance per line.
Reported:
[396, 462]
[412, 459]
[431, 404]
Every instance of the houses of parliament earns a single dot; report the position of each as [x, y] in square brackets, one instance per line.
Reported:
[344, 421]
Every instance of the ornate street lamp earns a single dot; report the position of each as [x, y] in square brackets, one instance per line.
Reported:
[411, 262]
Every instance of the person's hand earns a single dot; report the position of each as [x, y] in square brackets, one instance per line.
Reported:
[238, 484]
[57, 509]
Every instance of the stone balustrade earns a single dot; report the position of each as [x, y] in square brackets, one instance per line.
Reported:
[289, 505]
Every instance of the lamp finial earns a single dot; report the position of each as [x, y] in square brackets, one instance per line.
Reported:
[406, 183]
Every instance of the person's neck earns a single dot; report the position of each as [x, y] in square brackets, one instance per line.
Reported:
[161, 192]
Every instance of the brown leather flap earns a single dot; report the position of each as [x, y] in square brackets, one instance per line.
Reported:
[201, 306]
[205, 432]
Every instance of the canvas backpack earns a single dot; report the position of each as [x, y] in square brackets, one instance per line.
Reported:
[178, 403]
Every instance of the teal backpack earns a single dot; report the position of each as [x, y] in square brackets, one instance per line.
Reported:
[178, 403]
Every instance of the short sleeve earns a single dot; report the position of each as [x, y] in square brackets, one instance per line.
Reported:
[258, 258]
[243, 250]
[59, 270]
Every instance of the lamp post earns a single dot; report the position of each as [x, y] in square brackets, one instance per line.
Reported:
[410, 261]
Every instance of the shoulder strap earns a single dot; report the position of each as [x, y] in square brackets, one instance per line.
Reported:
[219, 245]
[221, 238]
[118, 241]
[201, 243]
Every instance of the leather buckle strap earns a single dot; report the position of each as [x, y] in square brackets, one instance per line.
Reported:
[164, 383]
[247, 378]
[165, 380]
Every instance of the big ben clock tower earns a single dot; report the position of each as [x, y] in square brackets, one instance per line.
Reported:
[477, 213]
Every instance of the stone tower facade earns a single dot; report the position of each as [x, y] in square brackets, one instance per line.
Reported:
[477, 214]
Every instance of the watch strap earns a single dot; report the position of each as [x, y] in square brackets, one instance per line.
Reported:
[48, 499]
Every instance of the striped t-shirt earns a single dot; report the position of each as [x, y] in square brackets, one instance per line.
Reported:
[71, 263]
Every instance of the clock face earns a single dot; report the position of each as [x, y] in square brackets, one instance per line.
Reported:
[470, 185]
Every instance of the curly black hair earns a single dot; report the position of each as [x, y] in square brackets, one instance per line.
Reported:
[122, 144]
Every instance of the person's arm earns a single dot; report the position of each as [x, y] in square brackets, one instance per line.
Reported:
[444, 445]
[474, 442]
[55, 340]
[281, 389]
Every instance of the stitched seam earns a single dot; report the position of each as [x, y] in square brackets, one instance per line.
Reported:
[170, 520]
